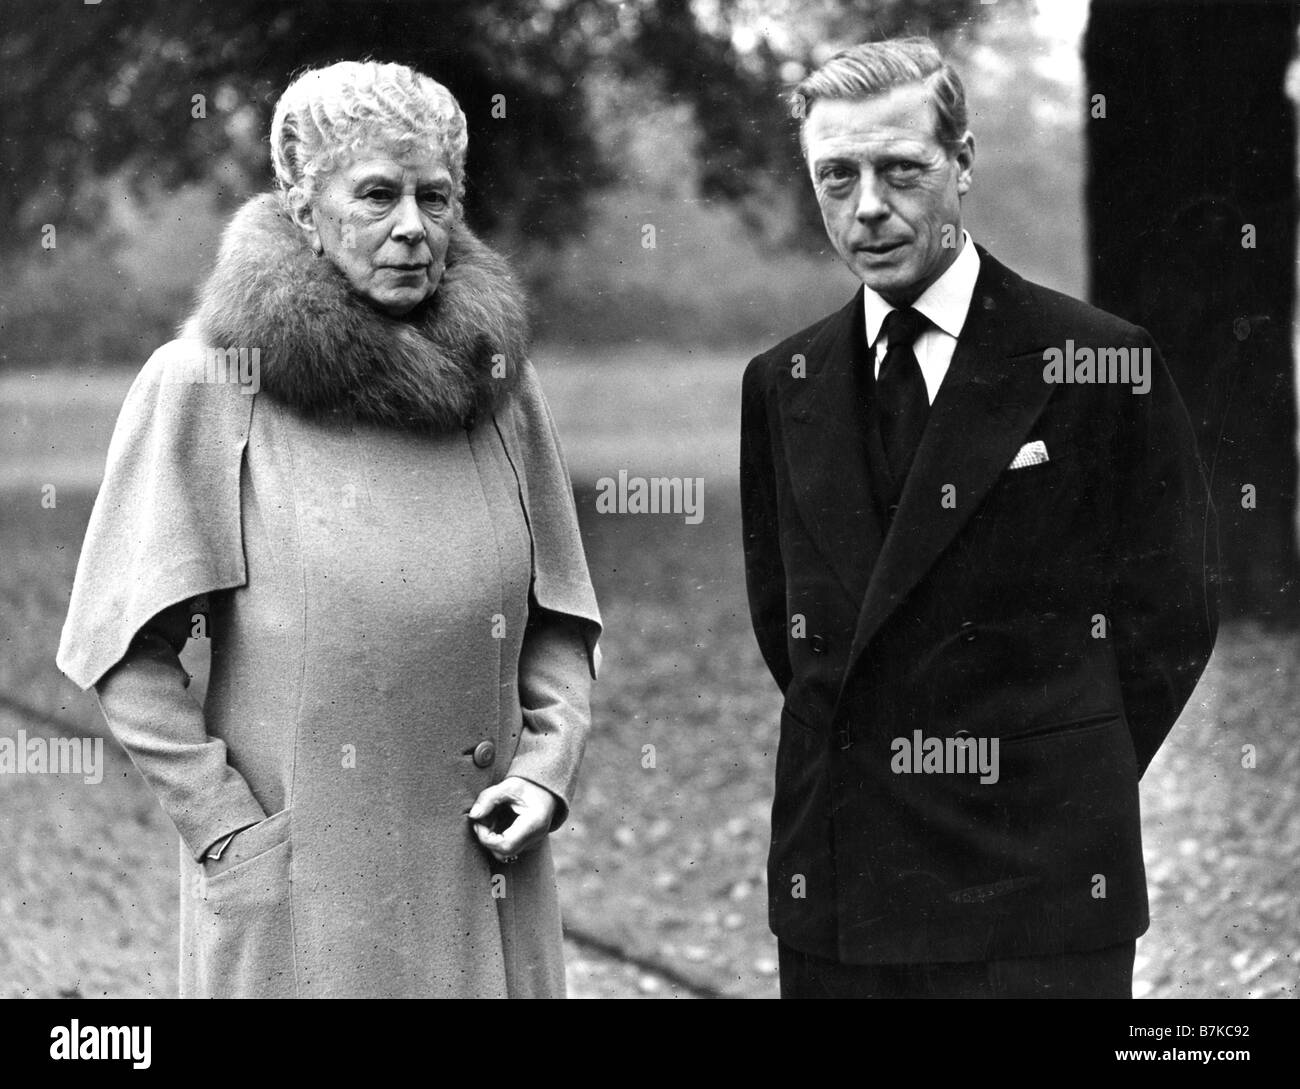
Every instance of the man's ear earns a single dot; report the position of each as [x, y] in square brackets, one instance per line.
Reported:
[300, 211]
[965, 159]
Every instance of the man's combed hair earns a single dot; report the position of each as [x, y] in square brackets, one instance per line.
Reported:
[873, 68]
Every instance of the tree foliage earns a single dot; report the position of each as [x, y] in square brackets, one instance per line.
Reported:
[93, 88]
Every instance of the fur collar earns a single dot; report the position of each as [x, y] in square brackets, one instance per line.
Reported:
[326, 352]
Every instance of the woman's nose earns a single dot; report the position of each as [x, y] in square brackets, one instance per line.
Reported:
[408, 227]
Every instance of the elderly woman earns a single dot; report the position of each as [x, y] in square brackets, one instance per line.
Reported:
[344, 474]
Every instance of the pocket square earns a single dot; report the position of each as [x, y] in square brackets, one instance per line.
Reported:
[1032, 453]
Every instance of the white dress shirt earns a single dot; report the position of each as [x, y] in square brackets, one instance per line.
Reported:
[946, 303]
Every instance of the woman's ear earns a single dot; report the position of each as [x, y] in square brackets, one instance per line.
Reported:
[300, 211]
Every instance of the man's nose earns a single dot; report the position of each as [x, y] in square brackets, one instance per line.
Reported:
[408, 227]
[872, 205]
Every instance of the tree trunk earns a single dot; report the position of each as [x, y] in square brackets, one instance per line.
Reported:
[1191, 196]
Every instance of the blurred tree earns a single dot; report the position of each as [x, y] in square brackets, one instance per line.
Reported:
[92, 88]
[1191, 195]
[736, 69]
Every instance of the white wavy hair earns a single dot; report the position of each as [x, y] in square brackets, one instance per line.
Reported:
[326, 115]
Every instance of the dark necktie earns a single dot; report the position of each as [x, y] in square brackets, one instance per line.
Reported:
[900, 391]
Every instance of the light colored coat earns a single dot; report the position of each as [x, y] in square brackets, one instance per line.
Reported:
[383, 602]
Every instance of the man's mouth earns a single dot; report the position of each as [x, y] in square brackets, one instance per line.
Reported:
[876, 249]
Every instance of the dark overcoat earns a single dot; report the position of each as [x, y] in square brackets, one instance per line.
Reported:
[1064, 609]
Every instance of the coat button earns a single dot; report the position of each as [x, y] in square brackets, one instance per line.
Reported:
[967, 630]
[817, 644]
[484, 753]
[893, 511]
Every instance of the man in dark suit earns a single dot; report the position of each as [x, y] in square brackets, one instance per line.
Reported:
[978, 543]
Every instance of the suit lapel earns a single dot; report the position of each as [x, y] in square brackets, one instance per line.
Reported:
[989, 400]
[824, 423]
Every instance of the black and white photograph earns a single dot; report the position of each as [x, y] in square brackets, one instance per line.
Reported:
[650, 499]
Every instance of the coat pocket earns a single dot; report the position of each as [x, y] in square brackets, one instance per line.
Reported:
[1032, 489]
[249, 844]
[1065, 729]
[243, 933]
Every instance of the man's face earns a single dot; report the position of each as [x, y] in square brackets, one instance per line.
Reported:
[887, 188]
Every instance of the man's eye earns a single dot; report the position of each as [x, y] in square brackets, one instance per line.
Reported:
[435, 200]
[836, 175]
[903, 170]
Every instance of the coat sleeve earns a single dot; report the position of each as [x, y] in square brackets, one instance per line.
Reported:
[1163, 605]
[764, 568]
[148, 707]
[166, 522]
[560, 655]
[554, 692]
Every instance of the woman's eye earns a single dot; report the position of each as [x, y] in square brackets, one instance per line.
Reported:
[435, 200]
[379, 195]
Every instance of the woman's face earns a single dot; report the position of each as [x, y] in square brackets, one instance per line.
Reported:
[385, 222]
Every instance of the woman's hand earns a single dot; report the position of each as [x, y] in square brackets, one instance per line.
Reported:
[533, 808]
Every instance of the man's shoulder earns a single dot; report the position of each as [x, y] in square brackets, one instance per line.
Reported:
[786, 353]
[1058, 316]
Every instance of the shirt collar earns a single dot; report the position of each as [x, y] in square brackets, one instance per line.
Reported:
[945, 302]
